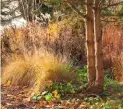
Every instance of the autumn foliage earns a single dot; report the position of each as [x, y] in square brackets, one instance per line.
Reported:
[40, 54]
[113, 49]
[34, 55]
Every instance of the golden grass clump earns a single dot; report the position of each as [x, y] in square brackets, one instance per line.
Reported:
[34, 55]
[35, 72]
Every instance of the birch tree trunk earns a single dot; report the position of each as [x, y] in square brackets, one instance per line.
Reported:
[90, 42]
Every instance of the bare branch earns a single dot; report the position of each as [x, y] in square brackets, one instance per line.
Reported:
[76, 2]
[76, 10]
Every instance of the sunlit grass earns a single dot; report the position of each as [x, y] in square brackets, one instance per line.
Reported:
[36, 72]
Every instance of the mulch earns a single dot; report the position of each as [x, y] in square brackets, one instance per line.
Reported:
[18, 98]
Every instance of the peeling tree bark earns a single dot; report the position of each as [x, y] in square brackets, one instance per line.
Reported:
[90, 42]
[98, 45]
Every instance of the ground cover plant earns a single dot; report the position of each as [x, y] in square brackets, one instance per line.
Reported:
[49, 74]
[109, 99]
[68, 55]
[65, 95]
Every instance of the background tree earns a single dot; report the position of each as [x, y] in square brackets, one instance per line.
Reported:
[92, 13]
[94, 9]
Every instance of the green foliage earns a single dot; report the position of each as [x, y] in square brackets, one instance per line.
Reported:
[107, 74]
[36, 97]
[107, 100]
[54, 3]
[110, 83]
[62, 88]
[83, 73]
[110, 105]
[68, 68]
[92, 100]
[55, 91]
[44, 9]
[106, 12]
[106, 106]
[49, 97]
[120, 10]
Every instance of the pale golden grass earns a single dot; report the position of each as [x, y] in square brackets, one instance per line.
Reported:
[28, 54]
[36, 71]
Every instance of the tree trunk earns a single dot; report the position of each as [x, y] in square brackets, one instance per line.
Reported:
[90, 43]
[98, 45]
[94, 56]
[30, 10]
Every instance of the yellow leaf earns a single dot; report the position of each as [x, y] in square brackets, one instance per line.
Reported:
[8, 82]
[55, 92]
[56, 95]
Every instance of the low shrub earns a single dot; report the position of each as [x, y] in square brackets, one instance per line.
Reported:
[113, 49]
[65, 38]
[33, 55]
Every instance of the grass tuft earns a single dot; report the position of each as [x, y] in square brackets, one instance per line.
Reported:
[36, 72]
